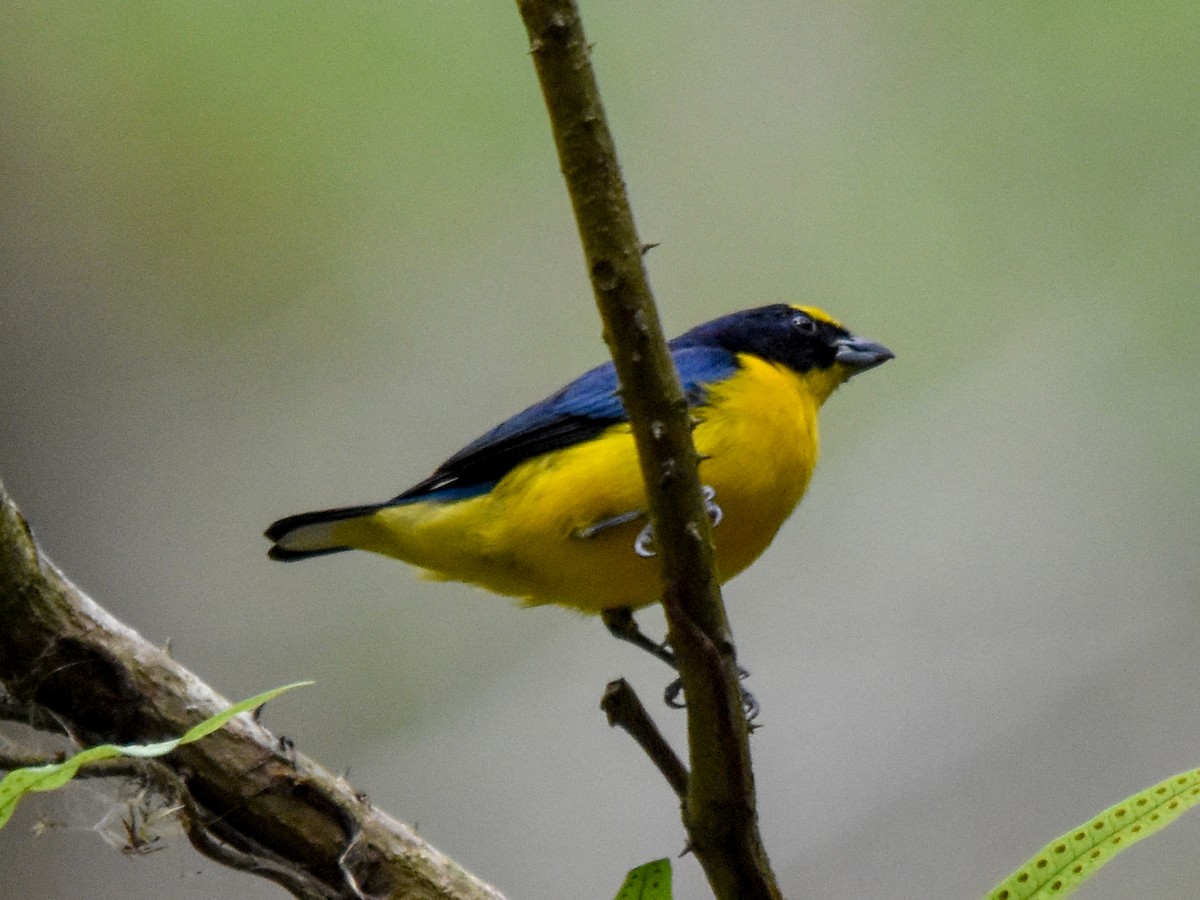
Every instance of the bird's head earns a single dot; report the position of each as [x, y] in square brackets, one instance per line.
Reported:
[804, 339]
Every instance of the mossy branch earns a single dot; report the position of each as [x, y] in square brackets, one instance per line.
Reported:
[719, 810]
[250, 800]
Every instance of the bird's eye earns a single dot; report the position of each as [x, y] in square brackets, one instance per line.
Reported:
[804, 324]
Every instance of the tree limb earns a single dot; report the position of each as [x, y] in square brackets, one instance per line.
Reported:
[249, 799]
[719, 812]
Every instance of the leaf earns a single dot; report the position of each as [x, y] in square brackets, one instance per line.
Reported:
[1064, 864]
[19, 782]
[649, 881]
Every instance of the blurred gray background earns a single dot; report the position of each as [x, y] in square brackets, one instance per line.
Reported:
[258, 258]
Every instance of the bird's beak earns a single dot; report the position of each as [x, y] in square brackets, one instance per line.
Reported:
[859, 354]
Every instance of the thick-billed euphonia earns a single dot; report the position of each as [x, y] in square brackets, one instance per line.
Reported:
[549, 506]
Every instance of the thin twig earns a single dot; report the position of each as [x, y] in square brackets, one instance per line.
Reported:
[296, 880]
[28, 714]
[624, 710]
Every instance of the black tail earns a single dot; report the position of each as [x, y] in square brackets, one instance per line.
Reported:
[310, 544]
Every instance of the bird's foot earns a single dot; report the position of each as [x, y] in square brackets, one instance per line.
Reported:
[672, 696]
[643, 543]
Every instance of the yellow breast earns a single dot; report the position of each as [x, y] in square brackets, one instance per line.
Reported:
[758, 439]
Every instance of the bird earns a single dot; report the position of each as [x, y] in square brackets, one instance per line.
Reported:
[549, 506]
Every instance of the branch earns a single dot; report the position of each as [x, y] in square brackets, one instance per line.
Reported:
[624, 710]
[249, 800]
[719, 812]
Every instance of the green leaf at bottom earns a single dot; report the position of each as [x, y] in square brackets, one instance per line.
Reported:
[650, 881]
[19, 782]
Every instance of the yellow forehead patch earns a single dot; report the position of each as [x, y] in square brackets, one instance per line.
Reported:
[819, 315]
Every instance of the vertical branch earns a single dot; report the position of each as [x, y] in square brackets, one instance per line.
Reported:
[719, 810]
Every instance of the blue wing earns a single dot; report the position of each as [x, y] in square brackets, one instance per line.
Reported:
[578, 412]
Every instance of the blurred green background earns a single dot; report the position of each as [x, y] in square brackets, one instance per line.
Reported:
[257, 258]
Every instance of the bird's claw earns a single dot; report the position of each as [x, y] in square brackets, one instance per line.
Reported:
[671, 694]
[709, 494]
[643, 543]
[674, 690]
